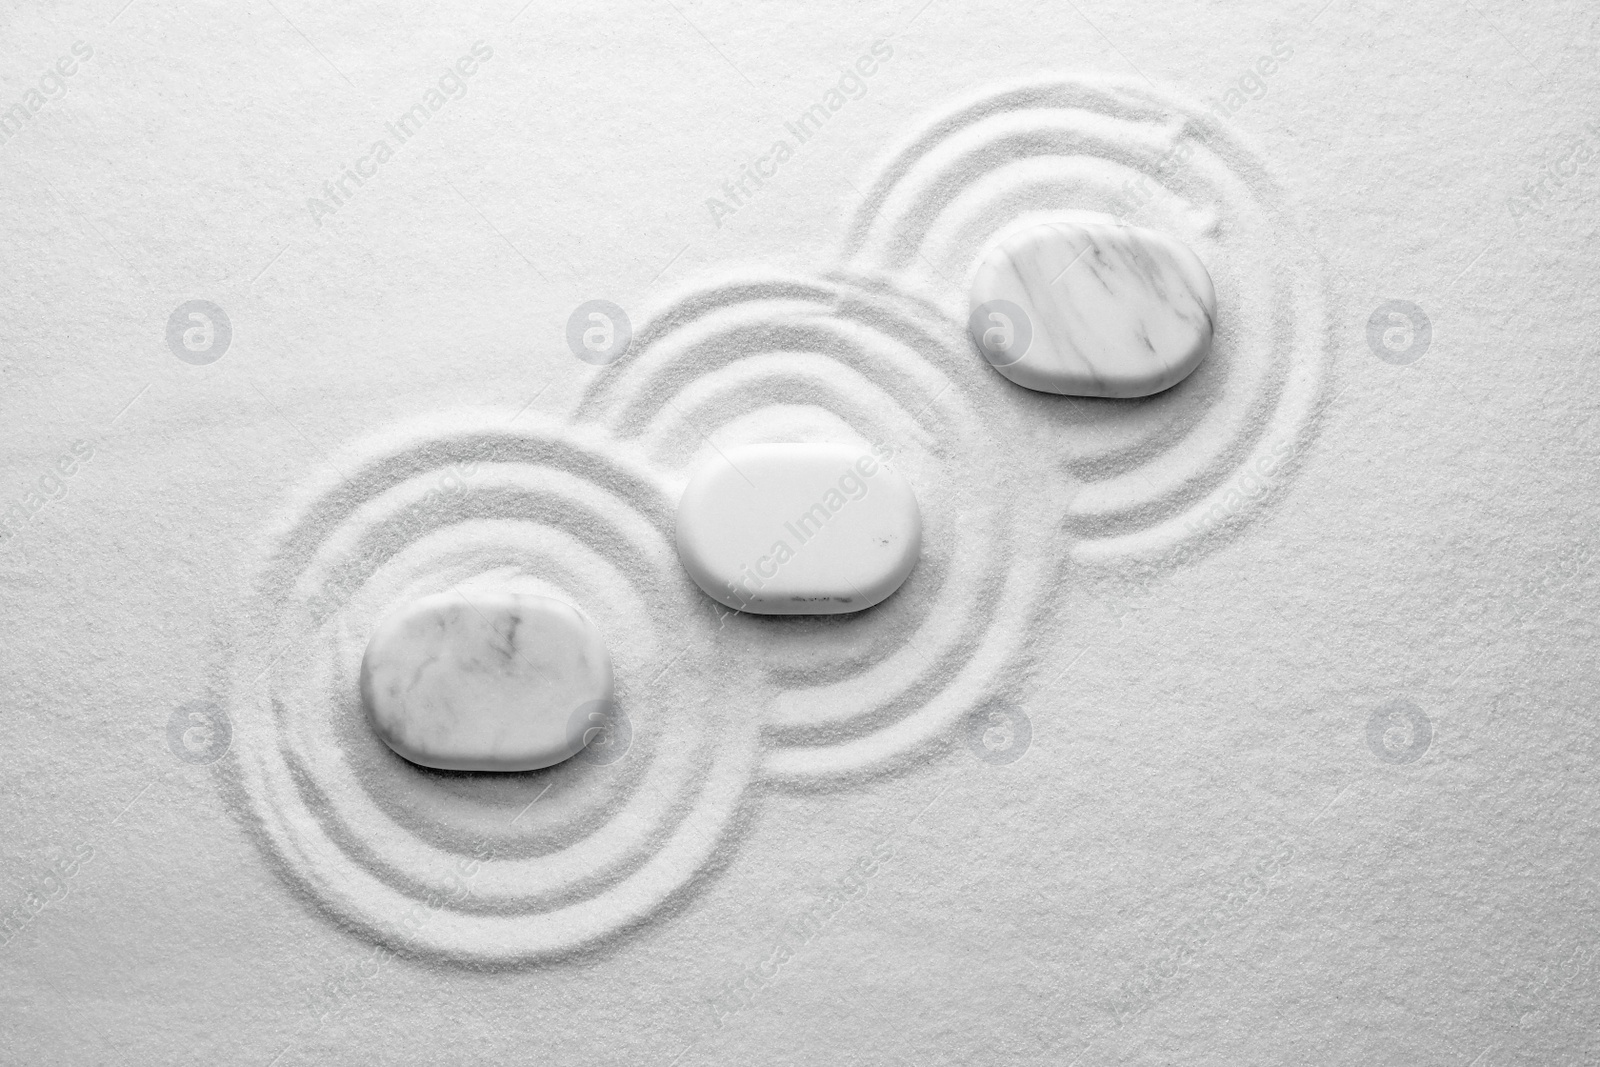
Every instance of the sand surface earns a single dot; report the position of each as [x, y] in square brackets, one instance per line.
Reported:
[1252, 722]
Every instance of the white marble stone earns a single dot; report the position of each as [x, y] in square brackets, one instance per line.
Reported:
[485, 681]
[1105, 309]
[799, 529]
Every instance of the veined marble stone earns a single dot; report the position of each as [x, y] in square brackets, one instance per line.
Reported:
[1093, 309]
[799, 529]
[485, 681]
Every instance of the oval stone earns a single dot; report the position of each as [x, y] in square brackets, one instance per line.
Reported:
[485, 681]
[1093, 309]
[799, 529]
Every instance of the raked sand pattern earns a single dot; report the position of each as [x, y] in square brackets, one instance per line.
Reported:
[1018, 491]
[847, 360]
[491, 868]
[1144, 478]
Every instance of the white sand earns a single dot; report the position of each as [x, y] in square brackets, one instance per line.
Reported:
[1247, 723]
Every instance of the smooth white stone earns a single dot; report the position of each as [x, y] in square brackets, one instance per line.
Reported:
[798, 529]
[485, 681]
[1109, 310]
